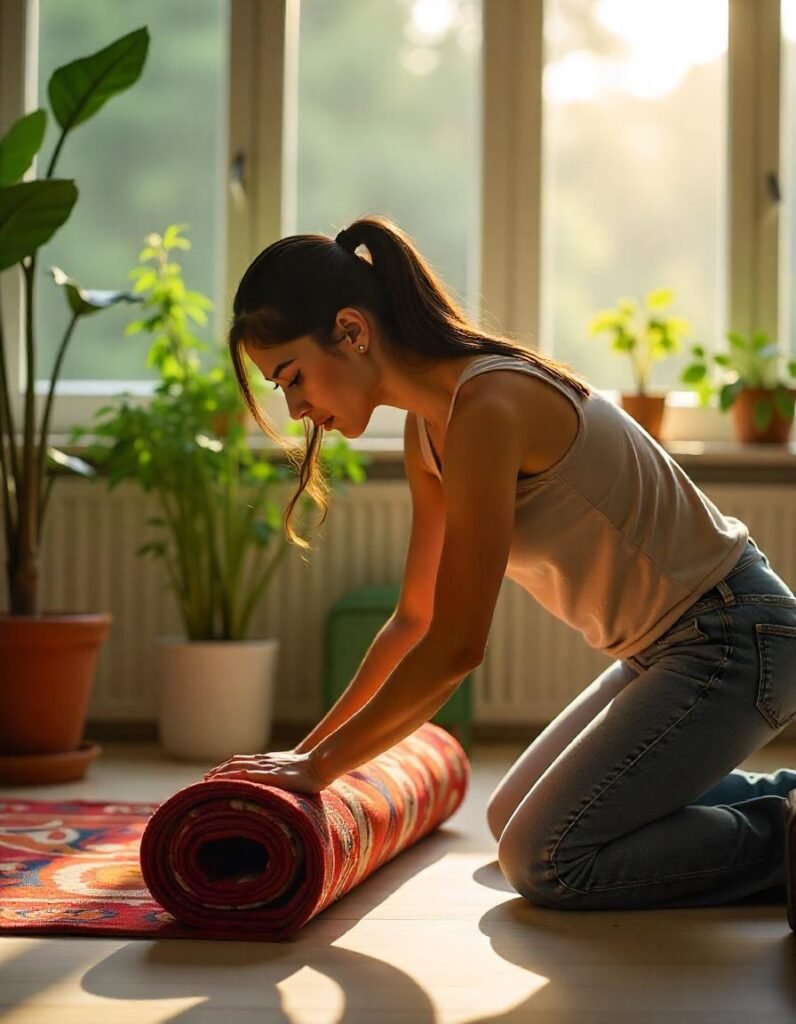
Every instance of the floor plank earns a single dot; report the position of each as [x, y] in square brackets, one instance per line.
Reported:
[435, 935]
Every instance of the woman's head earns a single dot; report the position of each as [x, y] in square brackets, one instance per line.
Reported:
[312, 299]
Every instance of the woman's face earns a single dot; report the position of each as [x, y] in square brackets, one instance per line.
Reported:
[319, 385]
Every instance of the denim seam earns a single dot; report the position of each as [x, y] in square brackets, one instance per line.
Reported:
[716, 675]
[670, 878]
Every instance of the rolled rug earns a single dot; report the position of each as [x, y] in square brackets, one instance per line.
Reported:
[238, 858]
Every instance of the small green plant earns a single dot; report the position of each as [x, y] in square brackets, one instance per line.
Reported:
[750, 362]
[647, 340]
[220, 536]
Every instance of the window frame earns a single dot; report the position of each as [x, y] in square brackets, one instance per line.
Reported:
[261, 199]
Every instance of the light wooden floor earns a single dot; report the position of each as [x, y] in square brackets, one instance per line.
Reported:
[435, 935]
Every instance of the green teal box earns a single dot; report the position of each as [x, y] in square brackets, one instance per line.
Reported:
[351, 626]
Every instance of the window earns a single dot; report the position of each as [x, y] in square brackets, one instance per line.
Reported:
[388, 122]
[634, 129]
[154, 156]
[788, 177]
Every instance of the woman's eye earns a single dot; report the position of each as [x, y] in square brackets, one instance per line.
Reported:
[295, 380]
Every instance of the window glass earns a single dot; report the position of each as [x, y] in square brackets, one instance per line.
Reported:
[634, 129]
[787, 156]
[153, 156]
[389, 123]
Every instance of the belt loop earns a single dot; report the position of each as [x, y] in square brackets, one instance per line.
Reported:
[727, 595]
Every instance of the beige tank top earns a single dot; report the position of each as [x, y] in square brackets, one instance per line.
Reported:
[614, 539]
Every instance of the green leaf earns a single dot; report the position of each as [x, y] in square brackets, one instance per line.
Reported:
[694, 373]
[784, 403]
[70, 462]
[30, 214]
[171, 237]
[763, 413]
[79, 89]
[728, 393]
[84, 301]
[737, 340]
[759, 340]
[659, 299]
[20, 145]
[722, 360]
[792, 368]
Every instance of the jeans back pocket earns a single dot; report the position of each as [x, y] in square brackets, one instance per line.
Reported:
[776, 687]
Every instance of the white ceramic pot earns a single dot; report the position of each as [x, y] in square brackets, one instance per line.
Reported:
[215, 698]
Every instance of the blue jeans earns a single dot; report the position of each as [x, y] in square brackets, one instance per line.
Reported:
[630, 797]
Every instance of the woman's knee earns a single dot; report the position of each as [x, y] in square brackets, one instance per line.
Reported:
[527, 865]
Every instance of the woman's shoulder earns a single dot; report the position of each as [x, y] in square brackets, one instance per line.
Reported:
[546, 415]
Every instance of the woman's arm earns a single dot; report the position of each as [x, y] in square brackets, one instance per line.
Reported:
[484, 450]
[391, 643]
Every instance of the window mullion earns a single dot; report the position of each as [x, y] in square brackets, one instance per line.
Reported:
[261, 103]
[15, 84]
[511, 167]
[753, 155]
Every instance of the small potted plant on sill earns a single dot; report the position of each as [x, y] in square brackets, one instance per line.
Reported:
[654, 338]
[219, 535]
[751, 383]
[48, 657]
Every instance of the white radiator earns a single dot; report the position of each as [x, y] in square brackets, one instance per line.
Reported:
[533, 667]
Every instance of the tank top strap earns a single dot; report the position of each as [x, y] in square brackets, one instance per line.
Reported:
[491, 361]
[425, 447]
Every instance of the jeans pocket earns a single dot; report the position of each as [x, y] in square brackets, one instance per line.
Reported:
[776, 687]
[680, 633]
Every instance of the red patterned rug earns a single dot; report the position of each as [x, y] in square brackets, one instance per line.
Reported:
[221, 859]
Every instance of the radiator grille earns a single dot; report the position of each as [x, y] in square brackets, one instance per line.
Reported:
[534, 665]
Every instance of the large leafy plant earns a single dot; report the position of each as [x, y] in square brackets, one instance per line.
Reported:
[218, 532]
[646, 336]
[30, 214]
[750, 362]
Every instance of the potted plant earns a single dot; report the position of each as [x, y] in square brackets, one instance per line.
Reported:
[751, 382]
[48, 657]
[646, 340]
[218, 535]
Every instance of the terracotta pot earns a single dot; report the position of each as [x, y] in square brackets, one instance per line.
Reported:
[647, 411]
[48, 664]
[742, 409]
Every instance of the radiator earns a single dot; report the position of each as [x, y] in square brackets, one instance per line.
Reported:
[534, 665]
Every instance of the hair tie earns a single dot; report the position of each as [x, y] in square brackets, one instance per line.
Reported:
[343, 239]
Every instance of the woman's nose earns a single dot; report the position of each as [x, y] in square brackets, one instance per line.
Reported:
[298, 409]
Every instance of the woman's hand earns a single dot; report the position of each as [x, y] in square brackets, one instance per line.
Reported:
[284, 768]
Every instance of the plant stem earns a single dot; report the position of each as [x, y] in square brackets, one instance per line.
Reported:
[10, 469]
[24, 589]
[258, 589]
[45, 428]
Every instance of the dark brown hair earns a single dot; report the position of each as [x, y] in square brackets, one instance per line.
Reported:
[297, 285]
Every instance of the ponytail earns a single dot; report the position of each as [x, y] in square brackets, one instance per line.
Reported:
[420, 322]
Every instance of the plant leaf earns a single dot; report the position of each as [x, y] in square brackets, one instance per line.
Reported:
[659, 299]
[20, 145]
[728, 393]
[79, 89]
[30, 214]
[784, 403]
[694, 373]
[71, 462]
[763, 413]
[84, 301]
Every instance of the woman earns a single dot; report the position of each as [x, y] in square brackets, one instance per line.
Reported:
[630, 798]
